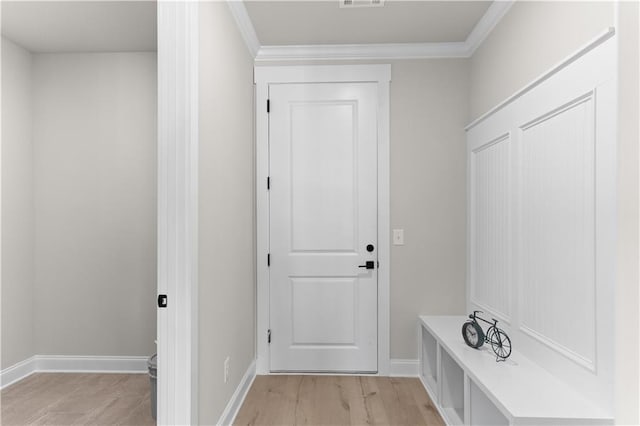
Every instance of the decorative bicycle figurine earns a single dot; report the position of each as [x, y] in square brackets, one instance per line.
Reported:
[475, 337]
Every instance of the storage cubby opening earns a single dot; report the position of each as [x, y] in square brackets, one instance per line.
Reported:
[482, 410]
[452, 398]
[429, 358]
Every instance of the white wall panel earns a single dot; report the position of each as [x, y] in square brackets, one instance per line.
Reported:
[542, 223]
[557, 230]
[490, 226]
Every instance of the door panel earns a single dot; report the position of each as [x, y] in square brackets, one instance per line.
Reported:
[323, 214]
[322, 177]
[315, 325]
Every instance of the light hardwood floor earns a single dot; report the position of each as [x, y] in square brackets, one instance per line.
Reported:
[337, 400]
[78, 399]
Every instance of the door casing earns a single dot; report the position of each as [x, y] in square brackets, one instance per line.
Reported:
[265, 76]
[178, 116]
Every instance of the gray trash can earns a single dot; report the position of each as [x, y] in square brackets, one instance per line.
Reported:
[153, 375]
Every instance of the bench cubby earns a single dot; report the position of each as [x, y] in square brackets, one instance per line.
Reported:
[469, 387]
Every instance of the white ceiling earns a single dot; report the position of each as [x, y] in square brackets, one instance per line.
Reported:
[325, 22]
[80, 26]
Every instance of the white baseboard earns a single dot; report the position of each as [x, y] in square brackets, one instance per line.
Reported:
[233, 406]
[404, 368]
[17, 372]
[72, 364]
[91, 364]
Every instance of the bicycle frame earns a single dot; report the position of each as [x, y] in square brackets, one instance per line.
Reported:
[476, 318]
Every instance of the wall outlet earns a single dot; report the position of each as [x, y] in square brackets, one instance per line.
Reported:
[226, 369]
[398, 237]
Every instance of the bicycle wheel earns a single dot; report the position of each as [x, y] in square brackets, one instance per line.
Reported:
[500, 343]
[472, 334]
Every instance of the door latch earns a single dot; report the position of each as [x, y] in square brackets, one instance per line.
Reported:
[162, 301]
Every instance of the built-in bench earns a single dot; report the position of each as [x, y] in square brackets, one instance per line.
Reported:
[469, 387]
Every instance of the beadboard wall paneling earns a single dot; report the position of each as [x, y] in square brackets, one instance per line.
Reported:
[557, 230]
[490, 227]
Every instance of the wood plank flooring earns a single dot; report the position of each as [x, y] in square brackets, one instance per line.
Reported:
[78, 399]
[337, 400]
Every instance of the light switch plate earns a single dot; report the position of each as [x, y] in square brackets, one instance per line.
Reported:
[398, 237]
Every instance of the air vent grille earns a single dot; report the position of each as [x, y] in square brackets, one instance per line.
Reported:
[361, 3]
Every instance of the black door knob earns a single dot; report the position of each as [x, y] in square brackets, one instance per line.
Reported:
[370, 248]
[369, 264]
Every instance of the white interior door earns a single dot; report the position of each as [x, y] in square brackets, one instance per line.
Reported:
[323, 226]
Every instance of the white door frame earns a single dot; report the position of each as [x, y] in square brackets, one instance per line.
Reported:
[178, 212]
[265, 75]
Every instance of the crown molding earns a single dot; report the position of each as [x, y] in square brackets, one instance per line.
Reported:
[245, 26]
[319, 52]
[486, 24]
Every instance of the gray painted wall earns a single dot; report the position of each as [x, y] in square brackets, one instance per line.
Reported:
[17, 206]
[226, 209]
[627, 350]
[94, 135]
[429, 101]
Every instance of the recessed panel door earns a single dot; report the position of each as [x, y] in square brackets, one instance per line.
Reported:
[323, 227]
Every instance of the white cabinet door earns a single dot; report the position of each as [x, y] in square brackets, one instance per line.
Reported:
[323, 226]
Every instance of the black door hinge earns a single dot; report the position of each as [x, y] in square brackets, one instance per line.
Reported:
[268, 259]
[269, 336]
[268, 183]
[268, 106]
[162, 301]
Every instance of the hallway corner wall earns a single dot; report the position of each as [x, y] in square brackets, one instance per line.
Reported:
[17, 206]
[627, 333]
[226, 273]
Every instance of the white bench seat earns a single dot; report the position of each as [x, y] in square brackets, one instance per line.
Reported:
[516, 391]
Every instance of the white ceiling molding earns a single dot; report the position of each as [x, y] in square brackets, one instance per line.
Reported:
[465, 49]
[486, 24]
[245, 26]
[362, 51]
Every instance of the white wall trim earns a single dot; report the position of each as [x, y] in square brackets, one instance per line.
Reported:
[404, 368]
[91, 364]
[178, 52]
[264, 75]
[17, 372]
[486, 24]
[384, 51]
[245, 26]
[597, 41]
[72, 364]
[589, 364]
[362, 51]
[381, 74]
[233, 406]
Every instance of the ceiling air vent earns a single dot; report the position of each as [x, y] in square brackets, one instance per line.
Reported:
[361, 3]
